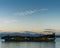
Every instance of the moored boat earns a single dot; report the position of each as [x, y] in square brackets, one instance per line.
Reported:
[39, 38]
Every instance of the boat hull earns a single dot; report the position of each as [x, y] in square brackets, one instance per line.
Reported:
[29, 40]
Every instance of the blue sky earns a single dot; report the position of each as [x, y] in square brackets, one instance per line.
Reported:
[29, 15]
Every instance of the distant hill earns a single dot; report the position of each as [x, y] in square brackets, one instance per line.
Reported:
[20, 34]
[58, 35]
[3, 34]
[23, 34]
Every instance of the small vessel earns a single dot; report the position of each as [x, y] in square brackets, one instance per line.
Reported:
[30, 38]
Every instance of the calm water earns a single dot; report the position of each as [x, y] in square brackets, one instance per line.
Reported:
[31, 44]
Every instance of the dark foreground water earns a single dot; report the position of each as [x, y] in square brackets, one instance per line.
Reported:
[55, 44]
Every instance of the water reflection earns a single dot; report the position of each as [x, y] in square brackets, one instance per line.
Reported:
[27, 44]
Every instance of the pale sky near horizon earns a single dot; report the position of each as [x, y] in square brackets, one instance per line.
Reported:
[29, 15]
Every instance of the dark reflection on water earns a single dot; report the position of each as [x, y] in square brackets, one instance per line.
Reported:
[27, 44]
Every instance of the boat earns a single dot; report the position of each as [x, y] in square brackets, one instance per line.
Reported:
[39, 38]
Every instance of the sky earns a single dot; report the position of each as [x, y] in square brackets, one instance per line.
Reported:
[29, 15]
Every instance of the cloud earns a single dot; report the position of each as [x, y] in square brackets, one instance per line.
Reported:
[43, 9]
[8, 22]
[28, 12]
[24, 13]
